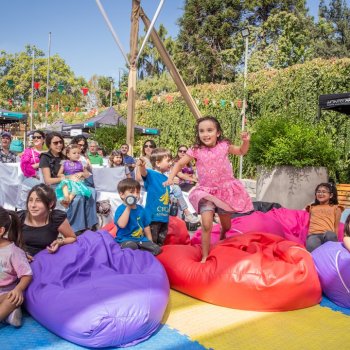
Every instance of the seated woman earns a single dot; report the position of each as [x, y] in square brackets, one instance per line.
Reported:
[41, 222]
[187, 175]
[81, 212]
[30, 167]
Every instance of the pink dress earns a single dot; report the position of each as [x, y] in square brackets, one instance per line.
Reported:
[216, 182]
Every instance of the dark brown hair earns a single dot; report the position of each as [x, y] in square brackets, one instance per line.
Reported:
[158, 154]
[128, 184]
[111, 157]
[332, 190]
[149, 141]
[198, 143]
[47, 196]
[10, 221]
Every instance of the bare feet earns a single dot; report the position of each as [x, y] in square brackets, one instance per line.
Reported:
[204, 259]
[222, 236]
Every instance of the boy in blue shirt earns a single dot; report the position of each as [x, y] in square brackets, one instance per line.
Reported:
[158, 196]
[131, 219]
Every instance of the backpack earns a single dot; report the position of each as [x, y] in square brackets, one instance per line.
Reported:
[16, 146]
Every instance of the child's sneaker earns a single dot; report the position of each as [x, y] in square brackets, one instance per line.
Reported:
[15, 317]
[192, 219]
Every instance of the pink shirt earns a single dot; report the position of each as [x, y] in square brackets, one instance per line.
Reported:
[29, 157]
[13, 265]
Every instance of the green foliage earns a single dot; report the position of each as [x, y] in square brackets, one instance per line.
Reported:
[111, 138]
[18, 68]
[279, 140]
[150, 62]
[155, 85]
[208, 47]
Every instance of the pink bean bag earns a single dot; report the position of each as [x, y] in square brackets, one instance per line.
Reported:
[290, 224]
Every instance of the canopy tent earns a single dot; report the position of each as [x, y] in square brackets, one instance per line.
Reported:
[67, 130]
[110, 117]
[8, 117]
[335, 102]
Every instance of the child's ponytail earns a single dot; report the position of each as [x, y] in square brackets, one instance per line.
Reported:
[13, 227]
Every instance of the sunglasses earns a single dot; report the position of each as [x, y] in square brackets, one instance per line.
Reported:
[182, 150]
[57, 143]
[81, 144]
[37, 137]
[148, 146]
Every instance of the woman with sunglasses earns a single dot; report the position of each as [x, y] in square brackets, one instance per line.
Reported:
[81, 212]
[31, 156]
[30, 167]
[187, 175]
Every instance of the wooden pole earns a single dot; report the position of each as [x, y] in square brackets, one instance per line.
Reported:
[135, 15]
[171, 67]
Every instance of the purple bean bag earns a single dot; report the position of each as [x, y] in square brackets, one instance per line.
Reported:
[95, 294]
[332, 262]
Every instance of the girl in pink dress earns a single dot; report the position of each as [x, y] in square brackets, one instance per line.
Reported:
[217, 189]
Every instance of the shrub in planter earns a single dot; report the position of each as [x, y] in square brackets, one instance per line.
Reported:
[278, 140]
[292, 158]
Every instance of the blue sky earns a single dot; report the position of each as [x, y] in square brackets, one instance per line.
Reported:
[79, 33]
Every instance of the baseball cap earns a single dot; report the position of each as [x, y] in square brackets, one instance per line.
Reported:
[6, 134]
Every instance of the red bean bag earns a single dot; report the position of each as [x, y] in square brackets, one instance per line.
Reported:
[257, 271]
[177, 231]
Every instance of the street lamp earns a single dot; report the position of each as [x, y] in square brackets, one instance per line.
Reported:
[245, 35]
[111, 96]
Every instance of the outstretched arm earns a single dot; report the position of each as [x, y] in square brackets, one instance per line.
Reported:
[243, 149]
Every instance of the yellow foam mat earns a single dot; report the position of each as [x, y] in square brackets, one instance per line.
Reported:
[220, 328]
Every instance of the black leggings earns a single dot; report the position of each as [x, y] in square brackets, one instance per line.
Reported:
[315, 240]
[148, 246]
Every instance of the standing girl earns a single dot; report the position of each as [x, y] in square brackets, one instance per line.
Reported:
[68, 188]
[15, 272]
[217, 189]
[325, 216]
[116, 161]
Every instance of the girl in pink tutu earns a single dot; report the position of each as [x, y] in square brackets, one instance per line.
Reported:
[217, 189]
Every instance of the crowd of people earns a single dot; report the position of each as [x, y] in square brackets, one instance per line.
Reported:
[64, 174]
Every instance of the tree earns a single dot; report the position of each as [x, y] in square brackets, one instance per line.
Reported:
[17, 68]
[150, 62]
[332, 36]
[208, 47]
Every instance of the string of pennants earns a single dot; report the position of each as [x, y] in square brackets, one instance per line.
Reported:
[119, 94]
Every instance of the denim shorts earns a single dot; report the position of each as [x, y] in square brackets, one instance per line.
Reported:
[206, 205]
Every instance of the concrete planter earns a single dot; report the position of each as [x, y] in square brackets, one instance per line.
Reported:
[291, 187]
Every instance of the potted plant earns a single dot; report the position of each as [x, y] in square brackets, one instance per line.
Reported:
[292, 156]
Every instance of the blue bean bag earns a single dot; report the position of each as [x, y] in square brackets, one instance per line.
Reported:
[332, 262]
[95, 294]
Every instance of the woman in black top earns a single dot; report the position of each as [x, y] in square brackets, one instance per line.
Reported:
[41, 223]
[81, 213]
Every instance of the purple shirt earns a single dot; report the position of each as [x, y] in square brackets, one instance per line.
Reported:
[71, 167]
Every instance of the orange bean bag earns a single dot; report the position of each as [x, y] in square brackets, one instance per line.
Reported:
[256, 271]
[177, 231]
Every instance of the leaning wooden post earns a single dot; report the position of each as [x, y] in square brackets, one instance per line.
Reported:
[135, 15]
[171, 67]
